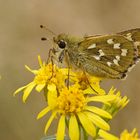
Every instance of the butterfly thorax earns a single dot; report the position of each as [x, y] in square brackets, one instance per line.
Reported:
[67, 48]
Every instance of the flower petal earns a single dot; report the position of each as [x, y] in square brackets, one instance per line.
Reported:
[99, 90]
[106, 135]
[52, 97]
[19, 89]
[98, 121]
[124, 102]
[103, 99]
[89, 90]
[40, 61]
[87, 124]
[40, 87]
[99, 111]
[27, 91]
[61, 128]
[73, 128]
[32, 71]
[112, 91]
[51, 87]
[96, 88]
[125, 135]
[50, 121]
[43, 112]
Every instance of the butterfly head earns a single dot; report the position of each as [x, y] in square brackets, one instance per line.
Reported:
[64, 40]
[61, 40]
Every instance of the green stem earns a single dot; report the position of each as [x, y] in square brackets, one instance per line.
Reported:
[97, 130]
[67, 123]
[85, 135]
[45, 93]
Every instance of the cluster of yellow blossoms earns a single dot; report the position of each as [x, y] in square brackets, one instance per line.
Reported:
[72, 99]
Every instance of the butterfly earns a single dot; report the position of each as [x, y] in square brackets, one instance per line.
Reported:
[106, 56]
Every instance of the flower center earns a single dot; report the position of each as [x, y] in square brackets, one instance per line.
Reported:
[71, 100]
[42, 76]
[45, 73]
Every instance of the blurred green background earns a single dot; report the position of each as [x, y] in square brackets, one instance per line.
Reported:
[20, 44]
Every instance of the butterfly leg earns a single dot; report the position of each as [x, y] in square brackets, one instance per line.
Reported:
[68, 65]
[89, 82]
[50, 59]
[50, 55]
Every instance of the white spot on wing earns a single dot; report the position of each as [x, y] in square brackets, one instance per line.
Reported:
[109, 64]
[118, 57]
[117, 46]
[137, 43]
[96, 57]
[110, 41]
[129, 36]
[137, 61]
[124, 52]
[130, 68]
[116, 62]
[92, 46]
[101, 53]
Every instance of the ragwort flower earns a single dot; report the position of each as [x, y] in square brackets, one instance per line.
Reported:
[117, 104]
[125, 135]
[69, 97]
[46, 75]
[72, 106]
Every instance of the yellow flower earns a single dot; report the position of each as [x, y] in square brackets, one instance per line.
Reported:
[72, 108]
[47, 75]
[69, 96]
[125, 135]
[117, 104]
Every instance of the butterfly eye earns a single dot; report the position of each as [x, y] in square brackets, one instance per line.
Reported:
[62, 44]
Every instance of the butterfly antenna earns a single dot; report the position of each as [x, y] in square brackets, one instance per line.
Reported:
[50, 31]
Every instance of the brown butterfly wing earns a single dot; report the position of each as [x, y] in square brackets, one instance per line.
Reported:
[108, 56]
